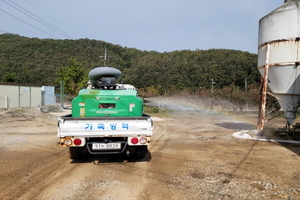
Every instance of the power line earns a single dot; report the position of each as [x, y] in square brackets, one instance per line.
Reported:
[61, 31]
[4, 31]
[36, 18]
[53, 18]
[28, 23]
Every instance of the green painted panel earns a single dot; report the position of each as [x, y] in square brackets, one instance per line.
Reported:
[109, 103]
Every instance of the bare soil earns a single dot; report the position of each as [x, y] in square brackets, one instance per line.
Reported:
[192, 156]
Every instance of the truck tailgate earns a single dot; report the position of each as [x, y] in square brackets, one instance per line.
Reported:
[104, 126]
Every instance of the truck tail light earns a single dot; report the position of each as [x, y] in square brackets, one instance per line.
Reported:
[134, 140]
[77, 142]
[143, 140]
[68, 142]
[138, 141]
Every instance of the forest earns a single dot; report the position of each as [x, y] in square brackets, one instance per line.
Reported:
[222, 72]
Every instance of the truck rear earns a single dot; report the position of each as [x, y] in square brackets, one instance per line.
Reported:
[107, 118]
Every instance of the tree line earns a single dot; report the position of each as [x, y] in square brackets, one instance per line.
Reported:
[47, 61]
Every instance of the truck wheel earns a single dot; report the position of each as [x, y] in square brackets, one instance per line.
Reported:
[75, 152]
[141, 151]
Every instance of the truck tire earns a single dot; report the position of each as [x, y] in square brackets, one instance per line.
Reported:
[75, 152]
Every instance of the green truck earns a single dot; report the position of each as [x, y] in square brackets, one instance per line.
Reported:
[106, 118]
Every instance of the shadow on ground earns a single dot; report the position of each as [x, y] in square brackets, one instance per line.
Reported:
[111, 159]
[236, 125]
[292, 147]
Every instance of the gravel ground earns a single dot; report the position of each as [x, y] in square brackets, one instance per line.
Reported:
[192, 156]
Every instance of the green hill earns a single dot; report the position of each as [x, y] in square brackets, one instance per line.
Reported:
[37, 61]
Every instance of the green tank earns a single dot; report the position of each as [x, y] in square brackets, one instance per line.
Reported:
[107, 103]
[105, 98]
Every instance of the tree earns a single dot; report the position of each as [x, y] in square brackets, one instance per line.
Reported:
[37, 61]
[10, 78]
[74, 77]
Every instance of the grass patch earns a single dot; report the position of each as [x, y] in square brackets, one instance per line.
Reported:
[20, 112]
[16, 111]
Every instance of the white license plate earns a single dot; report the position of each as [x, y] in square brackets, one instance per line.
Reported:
[105, 146]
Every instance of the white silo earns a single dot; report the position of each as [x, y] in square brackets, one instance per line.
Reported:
[279, 52]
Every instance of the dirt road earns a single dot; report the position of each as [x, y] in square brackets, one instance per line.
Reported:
[192, 156]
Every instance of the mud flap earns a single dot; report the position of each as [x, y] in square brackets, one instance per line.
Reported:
[76, 152]
[141, 151]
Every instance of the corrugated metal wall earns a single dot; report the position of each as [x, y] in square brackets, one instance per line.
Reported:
[48, 95]
[25, 96]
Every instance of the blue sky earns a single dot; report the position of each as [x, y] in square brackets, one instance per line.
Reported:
[159, 25]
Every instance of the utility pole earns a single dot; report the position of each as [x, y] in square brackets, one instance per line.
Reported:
[246, 90]
[212, 86]
[105, 57]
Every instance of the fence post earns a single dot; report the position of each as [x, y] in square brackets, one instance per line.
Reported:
[6, 102]
[62, 94]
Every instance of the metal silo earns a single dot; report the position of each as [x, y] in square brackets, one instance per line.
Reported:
[279, 55]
